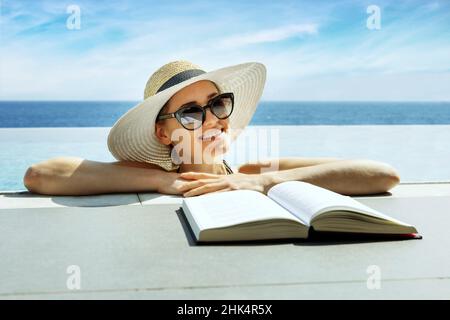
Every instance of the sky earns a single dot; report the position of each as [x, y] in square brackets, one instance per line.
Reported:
[313, 50]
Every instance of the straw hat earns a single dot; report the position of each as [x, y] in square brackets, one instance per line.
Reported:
[133, 137]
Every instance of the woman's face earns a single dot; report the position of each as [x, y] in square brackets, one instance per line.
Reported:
[171, 131]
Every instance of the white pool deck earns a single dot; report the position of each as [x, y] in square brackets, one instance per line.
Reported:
[137, 246]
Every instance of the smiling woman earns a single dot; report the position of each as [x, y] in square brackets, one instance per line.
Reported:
[175, 140]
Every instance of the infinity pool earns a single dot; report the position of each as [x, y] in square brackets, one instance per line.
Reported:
[421, 153]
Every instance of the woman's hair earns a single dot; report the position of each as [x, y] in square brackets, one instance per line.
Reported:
[162, 110]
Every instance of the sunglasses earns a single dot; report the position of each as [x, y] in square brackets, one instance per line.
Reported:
[192, 116]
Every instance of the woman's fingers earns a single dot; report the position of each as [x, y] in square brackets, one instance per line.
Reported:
[213, 187]
[197, 175]
[192, 184]
[189, 185]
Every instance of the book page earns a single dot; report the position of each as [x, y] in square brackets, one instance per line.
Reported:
[306, 201]
[221, 209]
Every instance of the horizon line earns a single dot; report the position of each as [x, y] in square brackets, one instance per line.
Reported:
[139, 101]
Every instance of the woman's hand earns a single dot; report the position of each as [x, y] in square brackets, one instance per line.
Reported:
[201, 183]
[171, 184]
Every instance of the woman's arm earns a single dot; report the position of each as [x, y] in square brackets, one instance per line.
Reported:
[348, 177]
[285, 163]
[76, 176]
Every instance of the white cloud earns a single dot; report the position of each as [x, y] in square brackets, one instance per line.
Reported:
[269, 35]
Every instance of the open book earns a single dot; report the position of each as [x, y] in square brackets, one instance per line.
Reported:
[290, 210]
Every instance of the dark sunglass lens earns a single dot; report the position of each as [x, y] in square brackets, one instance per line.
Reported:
[222, 107]
[191, 118]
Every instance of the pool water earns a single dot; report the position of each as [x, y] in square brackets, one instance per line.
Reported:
[419, 152]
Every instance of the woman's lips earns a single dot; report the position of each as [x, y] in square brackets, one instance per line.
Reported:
[217, 136]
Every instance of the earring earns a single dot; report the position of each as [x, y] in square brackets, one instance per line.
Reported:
[175, 156]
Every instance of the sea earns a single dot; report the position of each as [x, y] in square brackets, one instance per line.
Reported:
[35, 114]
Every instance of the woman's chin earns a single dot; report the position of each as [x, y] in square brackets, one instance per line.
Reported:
[215, 148]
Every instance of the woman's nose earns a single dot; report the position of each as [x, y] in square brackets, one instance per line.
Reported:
[210, 119]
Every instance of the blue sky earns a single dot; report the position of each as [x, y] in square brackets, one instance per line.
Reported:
[313, 50]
